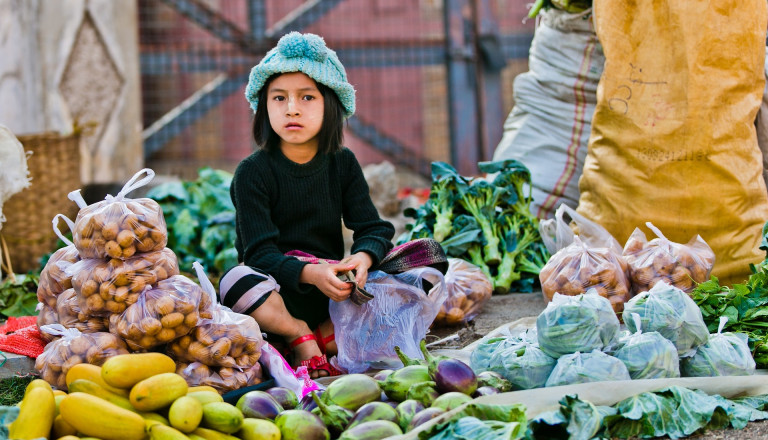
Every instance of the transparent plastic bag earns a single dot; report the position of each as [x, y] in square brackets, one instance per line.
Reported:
[224, 379]
[72, 348]
[581, 262]
[165, 312]
[524, 365]
[594, 366]
[480, 358]
[724, 354]
[679, 265]
[46, 315]
[399, 315]
[109, 286]
[227, 339]
[71, 316]
[580, 323]
[55, 277]
[119, 227]
[298, 381]
[468, 290]
[671, 312]
[648, 355]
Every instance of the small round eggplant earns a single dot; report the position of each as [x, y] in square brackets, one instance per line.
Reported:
[259, 405]
[284, 396]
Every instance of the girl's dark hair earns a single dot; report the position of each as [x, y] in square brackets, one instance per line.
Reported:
[331, 135]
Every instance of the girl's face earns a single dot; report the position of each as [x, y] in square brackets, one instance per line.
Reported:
[295, 107]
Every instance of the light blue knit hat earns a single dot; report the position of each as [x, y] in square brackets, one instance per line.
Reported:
[306, 53]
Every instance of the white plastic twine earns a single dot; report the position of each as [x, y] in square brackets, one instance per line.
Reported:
[205, 283]
[69, 223]
[636, 318]
[721, 326]
[60, 330]
[134, 183]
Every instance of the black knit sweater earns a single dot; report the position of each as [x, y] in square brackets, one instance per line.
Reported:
[282, 206]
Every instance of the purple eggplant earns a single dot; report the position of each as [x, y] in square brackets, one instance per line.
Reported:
[373, 411]
[396, 384]
[406, 410]
[382, 375]
[336, 418]
[485, 391]
[352, 391]
[284, 396]
[424, 416]
[307, 403]
[451, 400]
[450, 374]
[373, 430]
[297, 424]
[424, 392]
[259, 405]
[493, 379]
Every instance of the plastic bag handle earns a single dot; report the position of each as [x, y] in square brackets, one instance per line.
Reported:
[721, 326]
[638, 323]
[69, 223]
[60, 330]
[76, 197]
[205, 283]
[134, 183]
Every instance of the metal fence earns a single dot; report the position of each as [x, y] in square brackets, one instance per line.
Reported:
[433, 77]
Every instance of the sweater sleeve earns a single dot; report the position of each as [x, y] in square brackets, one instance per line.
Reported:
[371, 233]
[256, 233]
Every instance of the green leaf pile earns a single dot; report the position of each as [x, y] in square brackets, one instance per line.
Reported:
[18, 295]
[200, 219]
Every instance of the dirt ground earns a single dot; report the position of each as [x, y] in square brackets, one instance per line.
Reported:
[502, 309]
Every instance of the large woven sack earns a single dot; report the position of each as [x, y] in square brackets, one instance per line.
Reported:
[673, 135]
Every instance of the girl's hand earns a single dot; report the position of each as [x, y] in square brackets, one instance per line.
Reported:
[324, 277]
[361, 262]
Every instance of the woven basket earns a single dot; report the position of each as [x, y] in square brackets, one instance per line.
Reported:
[54, 166]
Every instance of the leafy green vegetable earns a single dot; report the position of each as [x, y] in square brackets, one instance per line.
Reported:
[18, 295]
[572, 6]
[594, 366]
[648, 355]
[200, 219]
[525, 365]
[481, 421]
[488, 223]
[724, 354]
[575, 419]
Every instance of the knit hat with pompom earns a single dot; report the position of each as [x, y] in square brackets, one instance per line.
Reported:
[306, 53]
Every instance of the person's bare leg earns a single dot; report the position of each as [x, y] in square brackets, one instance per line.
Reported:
[273, 317]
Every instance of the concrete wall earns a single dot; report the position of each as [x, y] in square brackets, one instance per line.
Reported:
[67, 62]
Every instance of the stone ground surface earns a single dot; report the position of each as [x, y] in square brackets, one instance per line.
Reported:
[503, 309]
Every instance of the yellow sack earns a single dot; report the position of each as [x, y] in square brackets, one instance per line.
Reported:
[673, 135]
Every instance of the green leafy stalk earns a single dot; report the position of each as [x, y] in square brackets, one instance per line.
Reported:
[480, 200]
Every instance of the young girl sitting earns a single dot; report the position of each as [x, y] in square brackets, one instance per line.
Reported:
[293, 193]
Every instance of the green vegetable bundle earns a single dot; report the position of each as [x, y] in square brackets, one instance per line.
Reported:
[201, 220]
[572, 6]
[485, 222]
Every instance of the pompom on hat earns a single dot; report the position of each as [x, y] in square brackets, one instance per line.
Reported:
[306, 53]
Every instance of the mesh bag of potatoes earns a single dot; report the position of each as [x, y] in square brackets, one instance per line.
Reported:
[581, 262]
[72, 348]
[109, 286]
[679, 265]
[55, 277]
[227, 339]
[222, 378]
[468, 290]
[119, 227]
[164, 312]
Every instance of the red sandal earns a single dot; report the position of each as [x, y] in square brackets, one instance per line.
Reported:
[316, 363]
[322, 342]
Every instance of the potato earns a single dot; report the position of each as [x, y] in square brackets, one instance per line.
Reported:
[223, 379]
[55, 278]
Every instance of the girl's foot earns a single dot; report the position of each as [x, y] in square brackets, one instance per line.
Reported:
[308, 354]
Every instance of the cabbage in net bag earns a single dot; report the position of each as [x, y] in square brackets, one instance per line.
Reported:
[480, 358]
[227, 339]
[72, 348]
[119, 227]
[109, 286]
[671, 312]
[594, 366]
[725, 354]
[167, 311]
[576, 323]
[399, 315]
[468, 290]
[648, 355]
[524, 365]
[222, 378]
[55, 276]
[581, 262]
[680, 265]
